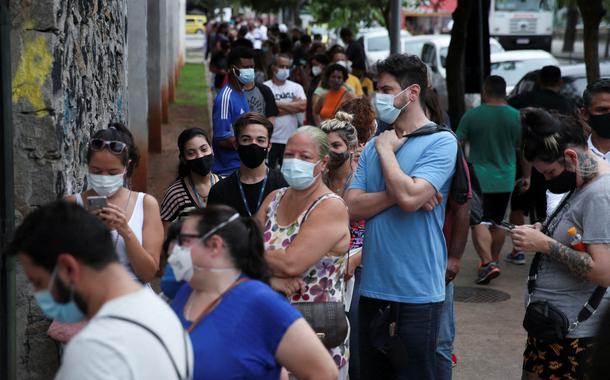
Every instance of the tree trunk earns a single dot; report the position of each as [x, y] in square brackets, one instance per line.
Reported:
[592, 12]
[607, 49]
[455, 61]
[570, 33]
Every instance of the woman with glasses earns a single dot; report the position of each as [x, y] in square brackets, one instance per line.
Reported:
[132, 217]
[190, 190]
[239, 327]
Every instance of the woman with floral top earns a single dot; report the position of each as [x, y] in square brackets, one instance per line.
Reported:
[306, 230]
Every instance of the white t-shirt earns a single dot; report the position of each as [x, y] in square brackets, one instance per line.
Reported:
[116, 349]
[285, 125]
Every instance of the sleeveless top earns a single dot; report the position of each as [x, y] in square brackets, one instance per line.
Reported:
[332, 101]
[136, 222]
[324, 281]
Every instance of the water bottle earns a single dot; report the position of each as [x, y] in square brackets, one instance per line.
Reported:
[576, 240]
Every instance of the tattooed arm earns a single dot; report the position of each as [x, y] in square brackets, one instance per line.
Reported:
[592, 265]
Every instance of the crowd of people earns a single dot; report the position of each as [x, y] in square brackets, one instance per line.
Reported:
[315, 233]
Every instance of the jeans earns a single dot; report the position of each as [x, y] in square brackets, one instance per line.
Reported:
[446, 336]
[417, 329]
[352, 315]
[276, 155]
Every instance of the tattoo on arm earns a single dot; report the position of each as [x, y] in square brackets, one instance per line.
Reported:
[579, 263]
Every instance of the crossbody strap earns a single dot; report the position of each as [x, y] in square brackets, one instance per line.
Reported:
[171, 358]
[592, 303]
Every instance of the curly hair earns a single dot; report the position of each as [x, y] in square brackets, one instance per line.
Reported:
[342, 123]
[363, 117]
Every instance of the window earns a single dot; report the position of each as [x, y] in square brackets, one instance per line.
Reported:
[381, 43]
[524, 5]
[428, 55]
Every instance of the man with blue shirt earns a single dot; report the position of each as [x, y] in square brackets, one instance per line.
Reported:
[404, 253]
[230, 103]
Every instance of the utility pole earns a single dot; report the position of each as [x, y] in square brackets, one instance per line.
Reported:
[395, 22]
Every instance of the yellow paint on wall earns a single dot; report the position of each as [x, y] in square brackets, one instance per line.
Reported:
[31, 74]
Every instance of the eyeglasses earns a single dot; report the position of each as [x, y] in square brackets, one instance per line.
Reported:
[115, 147]
[186, 238]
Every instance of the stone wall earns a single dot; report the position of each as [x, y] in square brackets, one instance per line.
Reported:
[69, 79]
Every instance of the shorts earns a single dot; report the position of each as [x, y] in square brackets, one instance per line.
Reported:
[494, 207]
[568, 359]
[533, 201]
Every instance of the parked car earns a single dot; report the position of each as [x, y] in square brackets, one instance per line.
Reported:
[514, 64]
[573, 77]
[376, 42]
[433, 49]
[195, 24]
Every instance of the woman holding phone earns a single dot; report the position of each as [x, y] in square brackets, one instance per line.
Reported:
[133, 217]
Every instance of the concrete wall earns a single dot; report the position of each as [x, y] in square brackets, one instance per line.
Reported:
[77, 65]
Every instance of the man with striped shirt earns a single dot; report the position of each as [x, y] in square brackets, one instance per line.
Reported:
[230, 103]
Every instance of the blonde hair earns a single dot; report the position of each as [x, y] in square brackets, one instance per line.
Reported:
[318, 136]
[342, 124]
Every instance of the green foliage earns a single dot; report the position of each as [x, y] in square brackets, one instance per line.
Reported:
[348, 13]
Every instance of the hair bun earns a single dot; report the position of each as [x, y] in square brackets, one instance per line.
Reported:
[539, 122]
[344, 117]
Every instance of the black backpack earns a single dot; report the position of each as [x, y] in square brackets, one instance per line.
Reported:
[461, 189]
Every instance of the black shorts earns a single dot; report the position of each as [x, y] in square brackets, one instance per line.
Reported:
[494, 207]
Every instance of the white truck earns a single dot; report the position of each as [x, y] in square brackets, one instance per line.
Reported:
[522, 24]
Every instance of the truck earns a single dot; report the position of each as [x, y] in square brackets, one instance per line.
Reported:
[522, 24]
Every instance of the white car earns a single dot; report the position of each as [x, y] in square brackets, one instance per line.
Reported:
[376, 43]
[512, 65]
[433, 49]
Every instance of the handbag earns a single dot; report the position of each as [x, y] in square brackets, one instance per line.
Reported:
[327, 319]
[544, 321]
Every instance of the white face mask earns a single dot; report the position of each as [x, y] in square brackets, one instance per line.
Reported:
[181, 262]
[105, 185]
[316, 70]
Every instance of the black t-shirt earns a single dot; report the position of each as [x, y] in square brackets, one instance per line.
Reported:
[219, 60]
[227, 192]
[355, 53]
[270, 105]
[547, 99]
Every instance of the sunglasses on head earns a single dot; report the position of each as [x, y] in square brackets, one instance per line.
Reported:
[115, 147]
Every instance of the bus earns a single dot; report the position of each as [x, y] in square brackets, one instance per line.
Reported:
[522, 24]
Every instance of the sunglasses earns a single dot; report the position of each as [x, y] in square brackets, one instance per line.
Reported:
[115, 147]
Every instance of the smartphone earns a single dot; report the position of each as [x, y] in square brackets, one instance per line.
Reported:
[96, 202]
[506, 226]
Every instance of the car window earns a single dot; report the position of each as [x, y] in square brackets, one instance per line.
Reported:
[524, 5]
[381, 43]
[428, 54]
[512, 71]
[413, 48]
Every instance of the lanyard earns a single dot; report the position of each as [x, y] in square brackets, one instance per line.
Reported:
[243, 194]
[209, 308]
[199, 201]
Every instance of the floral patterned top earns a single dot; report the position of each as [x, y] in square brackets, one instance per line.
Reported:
[324, 281]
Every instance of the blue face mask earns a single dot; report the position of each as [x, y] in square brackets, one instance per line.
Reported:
[246, 76]
[298, 173]
[61, 312]
[384, 105]
[282, 74]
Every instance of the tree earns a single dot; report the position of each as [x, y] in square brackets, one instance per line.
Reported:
[569, 36]
[455, 61]
[592, 12]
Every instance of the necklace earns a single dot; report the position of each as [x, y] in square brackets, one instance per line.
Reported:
[200, 200]
[341, 190]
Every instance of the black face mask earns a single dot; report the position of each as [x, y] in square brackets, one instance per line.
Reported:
[563, 183]
[201, 165]
[601, 124]
[252, 155]
[337, 159]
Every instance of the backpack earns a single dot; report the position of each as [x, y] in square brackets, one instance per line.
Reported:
[461, 189]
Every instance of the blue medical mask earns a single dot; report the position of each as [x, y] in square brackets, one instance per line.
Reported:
[282, 74]
[298, 173]
[384, 106]
[61, 312]
[246, 76]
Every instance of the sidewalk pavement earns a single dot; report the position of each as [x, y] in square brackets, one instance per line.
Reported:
[489, 337]
[577, 56]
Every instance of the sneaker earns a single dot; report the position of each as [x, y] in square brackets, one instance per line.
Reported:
[488, 273]
[518, 258]
[453, 360]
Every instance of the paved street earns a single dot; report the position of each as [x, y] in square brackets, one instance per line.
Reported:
[490, 339]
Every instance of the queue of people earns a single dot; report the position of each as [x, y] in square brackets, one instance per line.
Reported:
[286, 254]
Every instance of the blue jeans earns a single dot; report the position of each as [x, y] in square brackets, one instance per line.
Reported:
[446, 335]
[417, 328]
[352, 315]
